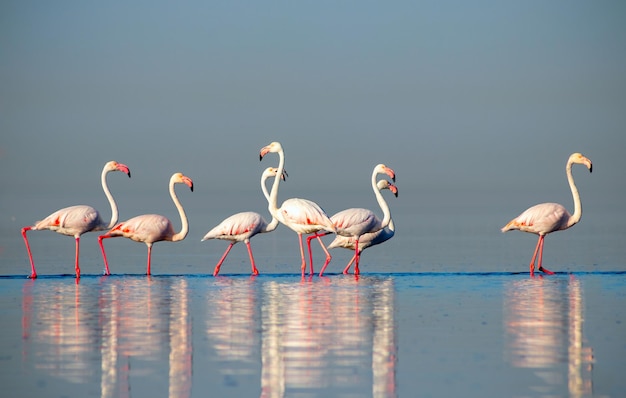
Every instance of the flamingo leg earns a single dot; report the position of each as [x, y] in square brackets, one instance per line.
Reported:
[104, 255]
[532, 261]
[303, 265]
[347, 269]
[328, 256]
[539, 266]
[33, 273]
[149, 257]
[76, 266]
[308, 243]
[357, 256]
[219, 263]
[255, 271]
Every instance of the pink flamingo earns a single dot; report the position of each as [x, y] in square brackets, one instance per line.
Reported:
[150, 228]
[355, 222]
[368, 239]
[76, 220]
[301, 215]
[242, 226]
[544, 218]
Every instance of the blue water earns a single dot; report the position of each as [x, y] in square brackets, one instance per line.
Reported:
[445, 308]
[431, 334]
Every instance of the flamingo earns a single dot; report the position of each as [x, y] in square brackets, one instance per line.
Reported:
[355, 222]
[544, 218]
[150, 228]
[242, 226]
[300, 215]
[368, 239]
[76, 220]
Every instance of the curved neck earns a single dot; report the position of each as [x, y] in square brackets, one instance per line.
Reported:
[183, 217]
[578, 208]
[381, 202]
[274, 223]
[273, 197]
[105, 187]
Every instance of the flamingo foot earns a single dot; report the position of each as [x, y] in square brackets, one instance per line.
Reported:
[546, 271]
[255, 272]
[32, 276]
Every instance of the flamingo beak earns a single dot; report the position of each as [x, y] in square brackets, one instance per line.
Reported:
[393, 189]
[124, 169]
[189, 182]
[263, 152]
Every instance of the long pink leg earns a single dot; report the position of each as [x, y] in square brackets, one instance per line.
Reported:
[76, 267]
[255, 271]
[539, 266]
[33, 273]
[104, 255]
[149, 257]
[303, 265]
[328, 256]
[219, 263]
[357, 256]
[347, 269]
[532, 261]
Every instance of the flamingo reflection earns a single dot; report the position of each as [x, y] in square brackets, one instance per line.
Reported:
[318, 335]
[548, 333]
[128, 327]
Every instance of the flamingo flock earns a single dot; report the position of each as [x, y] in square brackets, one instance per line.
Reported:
[355, 229]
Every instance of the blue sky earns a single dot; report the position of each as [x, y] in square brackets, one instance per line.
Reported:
[458, 97]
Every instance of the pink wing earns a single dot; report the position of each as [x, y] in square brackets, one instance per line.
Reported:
[146, 228]
[366, 240]
[540, 219]
[237, 227]
[304, 216]
[72, 221]
[355, 221]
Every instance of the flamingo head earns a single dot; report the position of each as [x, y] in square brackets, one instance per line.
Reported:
[272, 171]
[580, 159]
[115, 166]
[382, 169]
[384, 184]
[180, 178]
[274, 147]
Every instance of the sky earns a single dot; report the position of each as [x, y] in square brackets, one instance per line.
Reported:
[464, 100]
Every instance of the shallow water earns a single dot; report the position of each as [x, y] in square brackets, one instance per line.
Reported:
[445, 308]
[430, 334]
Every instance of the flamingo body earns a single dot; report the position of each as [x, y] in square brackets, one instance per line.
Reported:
[365, 241]
[147, 228]
[151, 228]
[303, 216]
[545, 218]
[238, 227]
[77, 220]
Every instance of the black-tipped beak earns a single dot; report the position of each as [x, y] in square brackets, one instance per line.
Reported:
[128, 173]
[191, 187]
[590, 168]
